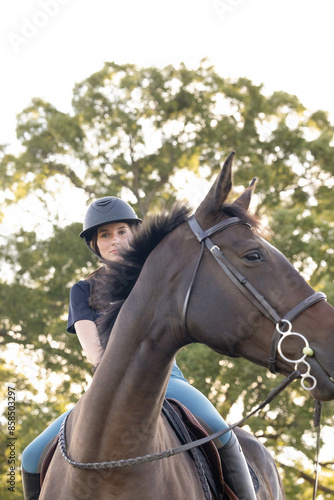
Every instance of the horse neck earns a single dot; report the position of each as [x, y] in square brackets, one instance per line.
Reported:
[129, 386]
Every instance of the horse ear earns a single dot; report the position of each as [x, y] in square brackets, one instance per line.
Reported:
[245, 198]
[220, 190]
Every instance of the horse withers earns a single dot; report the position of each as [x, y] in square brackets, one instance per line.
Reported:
[214, 281]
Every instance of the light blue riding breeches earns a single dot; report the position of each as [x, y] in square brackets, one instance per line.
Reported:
[178, 388]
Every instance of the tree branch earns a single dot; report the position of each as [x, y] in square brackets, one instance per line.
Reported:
[61, 169]
[306, 477]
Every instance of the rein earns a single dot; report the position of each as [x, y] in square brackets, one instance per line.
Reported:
[116, 464]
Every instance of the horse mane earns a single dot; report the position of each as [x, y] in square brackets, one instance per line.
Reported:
[113, 283]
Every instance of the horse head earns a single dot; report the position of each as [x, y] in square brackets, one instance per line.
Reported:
[236, 299]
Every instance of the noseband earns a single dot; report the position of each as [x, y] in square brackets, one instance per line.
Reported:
[283, 325]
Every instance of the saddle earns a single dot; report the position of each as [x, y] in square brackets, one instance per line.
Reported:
[188, 429]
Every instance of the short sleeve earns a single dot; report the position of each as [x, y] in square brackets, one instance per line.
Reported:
[79, 308]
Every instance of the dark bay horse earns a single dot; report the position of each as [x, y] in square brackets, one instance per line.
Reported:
[171, 291]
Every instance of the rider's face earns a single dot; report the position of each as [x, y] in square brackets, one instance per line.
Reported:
[111, 238]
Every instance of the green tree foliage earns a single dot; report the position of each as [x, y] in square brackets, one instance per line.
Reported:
[130, 132]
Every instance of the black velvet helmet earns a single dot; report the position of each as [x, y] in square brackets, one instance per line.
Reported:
[106, 211]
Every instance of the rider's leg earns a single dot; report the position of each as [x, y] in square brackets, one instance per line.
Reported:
[180, 389]
[31, 484]
[235, 469]
[31, 456]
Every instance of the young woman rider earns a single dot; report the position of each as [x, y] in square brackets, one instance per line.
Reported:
[108, 227]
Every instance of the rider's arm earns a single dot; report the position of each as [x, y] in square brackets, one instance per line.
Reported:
[88, 336]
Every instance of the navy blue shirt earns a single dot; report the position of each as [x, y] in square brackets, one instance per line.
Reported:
[79, 305]
[80, 309]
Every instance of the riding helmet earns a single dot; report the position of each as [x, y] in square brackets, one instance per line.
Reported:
[106, 211]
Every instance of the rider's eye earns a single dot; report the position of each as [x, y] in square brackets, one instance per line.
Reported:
[253, 256]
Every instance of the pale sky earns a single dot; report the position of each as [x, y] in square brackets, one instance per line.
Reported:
[49, 45]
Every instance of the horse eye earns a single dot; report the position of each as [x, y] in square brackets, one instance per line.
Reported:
[253, 256]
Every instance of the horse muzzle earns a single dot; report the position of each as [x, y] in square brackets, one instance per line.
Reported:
[323, 371]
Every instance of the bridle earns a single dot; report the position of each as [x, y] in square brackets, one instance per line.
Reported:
[283, 325]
